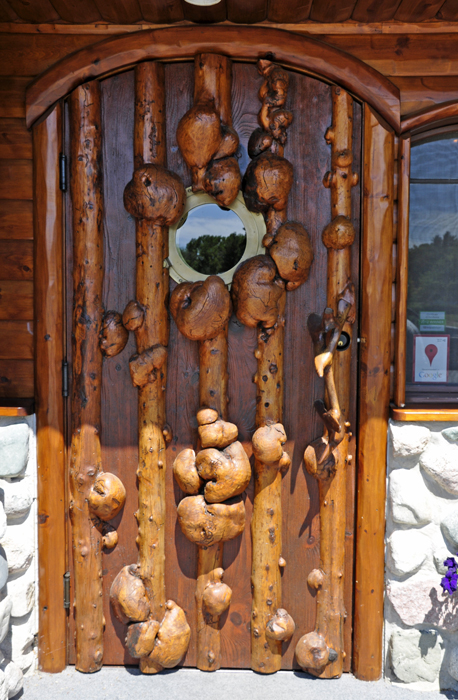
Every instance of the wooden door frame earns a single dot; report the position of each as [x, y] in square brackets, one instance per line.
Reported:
[380, 97]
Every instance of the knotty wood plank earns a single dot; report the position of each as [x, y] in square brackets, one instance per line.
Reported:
[12, 96]
[16, 179]
[418, 10]
[77, 12]
[16, 219]
[246, 12]
[36, 11]
[292, 11]
[332, 10]
[161, 11]
[16, 379]
[15, 139]
[119, 12]
[374, 10]
[16, 260]
[378, 159]
[16, 300]
[16, 340]
[24, 55]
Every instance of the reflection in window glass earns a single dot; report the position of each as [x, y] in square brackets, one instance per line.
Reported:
[211, 240]
[432, 302]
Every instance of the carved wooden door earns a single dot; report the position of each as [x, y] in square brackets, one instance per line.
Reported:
[115, 249]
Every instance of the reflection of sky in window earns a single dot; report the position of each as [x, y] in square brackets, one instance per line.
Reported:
[435, 159]
[433, 211]
[208, 220]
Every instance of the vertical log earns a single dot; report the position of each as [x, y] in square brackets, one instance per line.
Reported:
[401, 272]
[49, 354]
[152, 282]
[322, 652]
[374, 396]
[87, 370]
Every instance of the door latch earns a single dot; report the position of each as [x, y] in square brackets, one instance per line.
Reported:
[67, 590]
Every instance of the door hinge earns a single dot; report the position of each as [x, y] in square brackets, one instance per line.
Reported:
[64, 378]
[63, 172]
[67, 590]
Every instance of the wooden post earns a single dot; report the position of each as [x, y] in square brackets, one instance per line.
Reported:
[374, 396]
[401, 272]
[86, 190]
[49, 354]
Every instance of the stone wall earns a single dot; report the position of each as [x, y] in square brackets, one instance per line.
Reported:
[18, 560]
[422, 531]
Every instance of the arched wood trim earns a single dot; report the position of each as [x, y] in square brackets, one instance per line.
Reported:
[302, 53]
[436, 115]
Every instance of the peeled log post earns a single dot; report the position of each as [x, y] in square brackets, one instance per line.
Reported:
[321, 652]
[155, 197]
[86, 462]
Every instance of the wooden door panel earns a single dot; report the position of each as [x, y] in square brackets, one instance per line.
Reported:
[309, 203]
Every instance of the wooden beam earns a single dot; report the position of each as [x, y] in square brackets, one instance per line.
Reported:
[378, 159]
[49, 354]
[250, 43]
[430, 117]
[401, 271]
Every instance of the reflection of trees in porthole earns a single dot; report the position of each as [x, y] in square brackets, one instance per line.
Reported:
[213, 240]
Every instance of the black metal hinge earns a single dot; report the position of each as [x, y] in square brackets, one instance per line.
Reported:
[67, 590]
[65, 378]
[63, 172]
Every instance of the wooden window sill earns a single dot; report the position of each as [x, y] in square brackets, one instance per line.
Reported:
[424, 414]
[10, 408]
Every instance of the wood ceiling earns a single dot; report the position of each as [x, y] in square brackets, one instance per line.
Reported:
[238, 11]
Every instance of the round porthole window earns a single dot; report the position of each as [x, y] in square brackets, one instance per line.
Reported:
[213, 240]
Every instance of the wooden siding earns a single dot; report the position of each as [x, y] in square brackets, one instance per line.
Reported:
[419, 59]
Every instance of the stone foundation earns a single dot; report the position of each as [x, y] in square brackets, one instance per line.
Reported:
[18, 560]
[422, 531]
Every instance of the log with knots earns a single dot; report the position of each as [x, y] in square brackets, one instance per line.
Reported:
[158, 633]
[259, 297]
[215, 478]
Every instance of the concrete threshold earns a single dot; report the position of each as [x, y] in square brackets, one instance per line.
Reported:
[120, 683]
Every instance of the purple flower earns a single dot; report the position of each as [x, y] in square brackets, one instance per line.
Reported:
[449, 582]
[450, 562]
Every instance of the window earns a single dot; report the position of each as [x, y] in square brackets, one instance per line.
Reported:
[432, 293]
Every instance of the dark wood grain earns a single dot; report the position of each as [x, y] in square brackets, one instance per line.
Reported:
[15, 140]
[16, 300]
[16, 179]
[374, 397]
[16, 260]
[429, 116]
[161, 11]
[120, 12]
[12, 96]
[16, 379]
[7, 14]
[295, 11]
[374, 11]
[16, 340]
[77, 12]
[246, 12]
[49, 353]
[38, 11]
[25, 55]
[419, 93]
[16, 219]
[294, 50]
[417, 10]
[448, 11]
[332, 10]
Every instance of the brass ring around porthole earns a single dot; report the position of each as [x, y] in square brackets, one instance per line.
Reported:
[213, 240]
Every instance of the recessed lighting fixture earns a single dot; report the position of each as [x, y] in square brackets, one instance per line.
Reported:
[203, 3]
